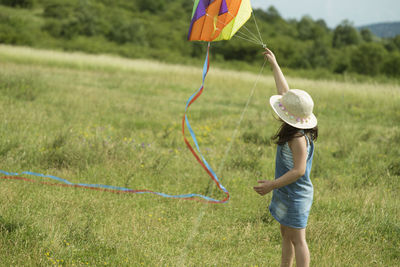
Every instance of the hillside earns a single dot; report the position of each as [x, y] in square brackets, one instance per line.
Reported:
[384, 30]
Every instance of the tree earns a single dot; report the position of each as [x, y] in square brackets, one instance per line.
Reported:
[305, 28]
[124, 31]
[345, 34]
[395, 41]
[368, 58]
[18, 3]
[271, 15]
[308, 29]
[319, 55]
[391, 66]
[153, 6]
[59, 9]
[366, 35]
[322, 24]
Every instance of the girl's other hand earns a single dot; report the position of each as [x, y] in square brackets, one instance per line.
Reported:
[264, 187]
[270, 56]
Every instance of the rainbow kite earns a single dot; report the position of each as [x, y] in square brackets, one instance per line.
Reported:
[215, 20]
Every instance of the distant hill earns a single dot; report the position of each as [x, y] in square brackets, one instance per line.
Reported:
[384, 30]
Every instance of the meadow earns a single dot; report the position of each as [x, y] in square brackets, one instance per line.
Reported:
[109, 120]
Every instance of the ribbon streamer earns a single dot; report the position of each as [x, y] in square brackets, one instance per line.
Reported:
[202, 161]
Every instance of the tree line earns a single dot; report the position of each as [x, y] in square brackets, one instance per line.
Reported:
[158, 29]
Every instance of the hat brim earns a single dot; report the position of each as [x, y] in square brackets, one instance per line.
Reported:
[309, 124]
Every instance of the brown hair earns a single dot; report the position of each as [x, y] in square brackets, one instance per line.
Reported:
[287, 132]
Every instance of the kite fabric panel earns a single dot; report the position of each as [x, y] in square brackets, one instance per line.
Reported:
[215, 20]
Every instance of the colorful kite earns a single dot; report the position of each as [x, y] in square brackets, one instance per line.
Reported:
[215, 20]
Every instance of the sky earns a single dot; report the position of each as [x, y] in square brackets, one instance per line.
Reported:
[359, 12]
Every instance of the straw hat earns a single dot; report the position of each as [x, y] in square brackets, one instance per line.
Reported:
[295, 108]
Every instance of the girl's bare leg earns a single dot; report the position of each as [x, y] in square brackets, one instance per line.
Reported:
[287, 249]
[298, 238]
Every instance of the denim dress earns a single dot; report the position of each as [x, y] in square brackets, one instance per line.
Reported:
[291, 204]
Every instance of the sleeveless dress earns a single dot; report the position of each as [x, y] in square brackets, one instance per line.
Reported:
[291, 204]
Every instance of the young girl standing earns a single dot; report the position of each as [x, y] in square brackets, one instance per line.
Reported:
[292, 188]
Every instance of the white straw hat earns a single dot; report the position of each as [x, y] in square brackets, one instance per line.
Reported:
[295, 108]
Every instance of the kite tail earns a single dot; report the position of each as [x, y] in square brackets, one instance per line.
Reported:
[100, 187]
[202, 161]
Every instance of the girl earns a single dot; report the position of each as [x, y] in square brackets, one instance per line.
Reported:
[292, 188]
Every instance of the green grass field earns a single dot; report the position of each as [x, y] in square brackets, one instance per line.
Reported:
[109, 120]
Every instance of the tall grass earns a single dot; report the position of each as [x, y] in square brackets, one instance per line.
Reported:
[108, 120]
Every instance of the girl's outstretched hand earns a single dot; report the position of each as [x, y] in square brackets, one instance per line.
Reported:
[264, 187]
[270, 56]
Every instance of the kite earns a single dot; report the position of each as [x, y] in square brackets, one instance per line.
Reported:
[215, 20]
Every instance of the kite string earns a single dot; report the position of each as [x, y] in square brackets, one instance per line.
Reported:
[245, 36]
[240, 37]
[258, 30]
[235, 132]
[246, 28]
[243, 113]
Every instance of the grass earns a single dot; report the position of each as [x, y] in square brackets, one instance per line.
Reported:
[109, 120]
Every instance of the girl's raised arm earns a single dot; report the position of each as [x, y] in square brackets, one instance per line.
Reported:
[280, 81]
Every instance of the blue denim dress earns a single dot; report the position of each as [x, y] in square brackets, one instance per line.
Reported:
[291, 204]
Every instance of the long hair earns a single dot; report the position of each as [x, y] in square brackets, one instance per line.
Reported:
[287, 132]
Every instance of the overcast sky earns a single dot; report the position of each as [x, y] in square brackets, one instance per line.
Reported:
[360, 12]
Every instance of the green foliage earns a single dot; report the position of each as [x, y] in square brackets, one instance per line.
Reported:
[151, 6]
[345, 34]
[68, 19]
[305, 28]
[366, 35]
[239, 51]
[14, 30]
[368, 58]
[320, 55]
[59, 9]
[392, 44]
[391, 66]
[18, 3]
[396, 41]
[271, 15]
[133, 31]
